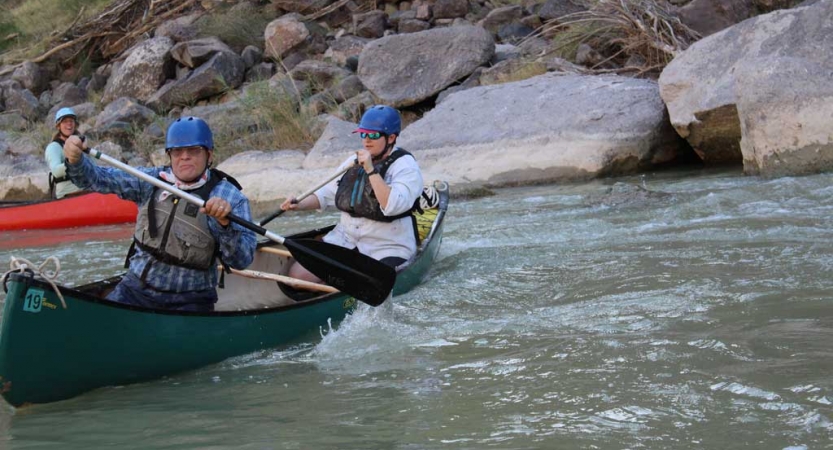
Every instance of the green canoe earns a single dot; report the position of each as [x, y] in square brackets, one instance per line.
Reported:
[50, 353]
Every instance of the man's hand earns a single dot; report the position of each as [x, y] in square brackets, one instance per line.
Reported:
[74, 149]
[217, 208]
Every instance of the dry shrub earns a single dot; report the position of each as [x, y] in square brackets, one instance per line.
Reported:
[513, 70]
[622, 29]
[30, 27]
[237, 27]
[95, 32]
[280, 124]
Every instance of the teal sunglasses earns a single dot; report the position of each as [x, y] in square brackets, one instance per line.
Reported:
[372, 136]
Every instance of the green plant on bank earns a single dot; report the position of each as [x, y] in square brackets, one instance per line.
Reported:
[95, 97]
[40, 132]
[237, 27]
[520, 70]
[567, 40]
[144, 144]
[27, 27]
[279, 123]
[621, 29]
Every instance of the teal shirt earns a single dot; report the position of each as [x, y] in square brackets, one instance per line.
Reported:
[55, 160]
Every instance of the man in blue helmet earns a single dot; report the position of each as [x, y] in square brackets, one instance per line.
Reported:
[66, 123]
[172, 264]
[376, 196]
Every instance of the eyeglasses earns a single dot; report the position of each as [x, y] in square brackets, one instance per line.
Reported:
[179, 151]
[372, 136]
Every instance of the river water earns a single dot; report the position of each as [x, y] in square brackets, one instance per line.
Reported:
[698, 316]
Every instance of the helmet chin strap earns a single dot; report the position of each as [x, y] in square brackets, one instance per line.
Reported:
[382, 155]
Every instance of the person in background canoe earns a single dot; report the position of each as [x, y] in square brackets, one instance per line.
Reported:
[173, 262]
[66, 121]
[376, 196]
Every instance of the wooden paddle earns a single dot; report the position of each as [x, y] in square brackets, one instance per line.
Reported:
[294, 282]
[308, 193]
[360, 276]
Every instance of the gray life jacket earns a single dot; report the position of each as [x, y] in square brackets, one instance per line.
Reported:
[175, 232]
[355, 194]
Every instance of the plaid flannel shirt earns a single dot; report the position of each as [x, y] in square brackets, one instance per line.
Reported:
[237, 244]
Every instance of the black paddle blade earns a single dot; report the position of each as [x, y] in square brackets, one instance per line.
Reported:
[360, 276]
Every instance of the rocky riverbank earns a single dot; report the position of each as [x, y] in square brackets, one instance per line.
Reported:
[485, 90]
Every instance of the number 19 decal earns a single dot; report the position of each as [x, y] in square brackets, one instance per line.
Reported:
[33, 301]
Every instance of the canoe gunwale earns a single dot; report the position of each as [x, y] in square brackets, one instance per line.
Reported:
[81, 292]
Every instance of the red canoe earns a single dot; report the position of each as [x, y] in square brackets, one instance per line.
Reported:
[68, 212]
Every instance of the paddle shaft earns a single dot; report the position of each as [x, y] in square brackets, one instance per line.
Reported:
[308, 193]
[190, 198]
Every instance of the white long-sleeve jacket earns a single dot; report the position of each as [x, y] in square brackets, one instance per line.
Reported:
[373, 238]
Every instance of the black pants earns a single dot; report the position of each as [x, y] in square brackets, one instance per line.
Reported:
[392, 261]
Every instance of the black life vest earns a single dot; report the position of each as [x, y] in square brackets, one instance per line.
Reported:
[355, 194]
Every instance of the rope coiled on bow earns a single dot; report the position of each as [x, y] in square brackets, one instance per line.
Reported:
[22, 265]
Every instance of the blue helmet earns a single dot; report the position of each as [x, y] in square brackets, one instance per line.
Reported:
[65, 112]
[381, 118]
[188, 132]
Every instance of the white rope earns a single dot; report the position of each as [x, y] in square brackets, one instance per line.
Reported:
[21, 265]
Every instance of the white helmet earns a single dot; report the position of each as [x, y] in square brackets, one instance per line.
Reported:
[429, 198]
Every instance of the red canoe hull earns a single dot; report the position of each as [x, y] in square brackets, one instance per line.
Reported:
[77, 211]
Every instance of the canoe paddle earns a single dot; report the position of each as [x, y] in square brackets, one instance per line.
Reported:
[360, 276]
[308, 193]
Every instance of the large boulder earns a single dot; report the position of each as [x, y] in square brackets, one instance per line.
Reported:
[344, 47]
[121, 118]
[32, 77]
[785, 131]
[283, 34]
[196, 52]
[23, 102]
[405, 69]
[179, 29]
[706, 85]
[141, 74]
[545, 129]
[68, 94]
[223, 72]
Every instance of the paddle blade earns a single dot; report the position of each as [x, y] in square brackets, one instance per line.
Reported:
[360, 276]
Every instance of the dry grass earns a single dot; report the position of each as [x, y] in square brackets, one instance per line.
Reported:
[620, 29]
[29, 27]
[95, 34]
[236, 27]
[280, 124]
[520, 70]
